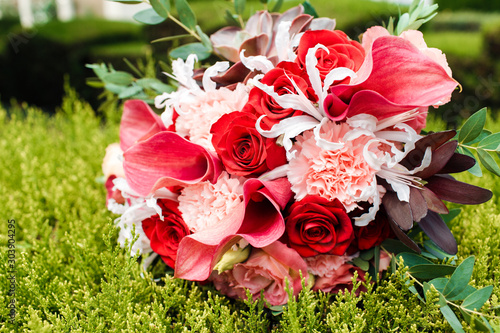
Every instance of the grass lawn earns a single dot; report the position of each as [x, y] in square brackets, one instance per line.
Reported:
[71, 276]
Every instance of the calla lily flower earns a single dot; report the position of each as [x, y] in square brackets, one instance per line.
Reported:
[257, 219]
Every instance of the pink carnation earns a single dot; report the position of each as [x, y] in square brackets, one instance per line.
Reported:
[197, 115]
[205, 204]
[342, 173]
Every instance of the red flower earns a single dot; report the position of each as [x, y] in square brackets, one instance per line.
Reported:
[342, 51]
[243, 151]
[318, 226]
[166, 235]
[280, 78]
[374, 233]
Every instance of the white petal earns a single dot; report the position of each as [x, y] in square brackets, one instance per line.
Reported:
[322, 143]
[275, 173]
[282, 40]
[259, 63]
[211, 71]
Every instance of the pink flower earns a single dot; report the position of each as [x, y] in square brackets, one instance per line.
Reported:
[266, 270]
[341, 174]
[112, 163]
[333, 273]
[205, 204]
[197, 115]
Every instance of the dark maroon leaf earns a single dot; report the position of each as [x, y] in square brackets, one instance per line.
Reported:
[255, 46]
[300, 24]
[458, 163]
[454, 191]
[434, 227]
[418, 204]
[440, 158]
[398, 210]
[403, 237]
[433, 202]
[434, 140]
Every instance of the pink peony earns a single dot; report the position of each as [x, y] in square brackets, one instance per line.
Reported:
[332, 273]
[205, 204]
[266, 270]
[197, 115]
[341, 174]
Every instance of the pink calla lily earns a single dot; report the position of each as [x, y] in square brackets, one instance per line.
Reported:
[395, 77]
[166, 159]
[257, 219]
[138, 123]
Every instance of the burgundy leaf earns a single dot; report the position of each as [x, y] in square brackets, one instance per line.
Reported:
[399, 211]
[433, 202]
[440, 158]
[418, 204]
[434, 140]
[403, 237]
[458, 163]
[236, 73]
[434, 227]
[454, 191]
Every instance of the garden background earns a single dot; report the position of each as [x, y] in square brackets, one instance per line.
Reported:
[69, 273]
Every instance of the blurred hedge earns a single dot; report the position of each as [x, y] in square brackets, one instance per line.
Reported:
[482, 5]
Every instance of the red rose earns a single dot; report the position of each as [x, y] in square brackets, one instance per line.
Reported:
[373, 234]
[166, 235]
[342, 51]
[243, 151]
[280, 78]
[317, 226]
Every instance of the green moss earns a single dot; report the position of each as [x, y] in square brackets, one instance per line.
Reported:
[71, 275]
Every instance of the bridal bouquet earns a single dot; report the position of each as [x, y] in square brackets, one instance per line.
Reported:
[294, 159]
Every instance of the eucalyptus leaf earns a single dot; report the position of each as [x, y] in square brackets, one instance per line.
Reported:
[204, 38]
[119, 78]
[476, 300]
[467, 291]
[364, 265]
[395, 246]
[185, 50]
[447, 218]
[476, 169]
[130, 91]
[488, 162]
[491, 142]
[439, 283]
[239, 6]
[451, 318]
[414, 291]
[479, 325]
[484, 134]
[148, 16]
[435, 250]
[473, 127]
[460, 278]
[367, 254]
[99, 69]
[94, 83]
[412, 259]
[277, 6]
[431, 271]
[231, 19]
[309, 9]
[376, 255]
[161, 7]
[186, 14]
[114, 88]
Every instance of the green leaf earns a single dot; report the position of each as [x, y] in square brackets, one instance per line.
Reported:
[130, 91]
[431, 271]
[148, 16]
[491, 142]
[452, 319]
[185, 50]
[309, 9]
[376, 255]
[155, 84]
[368, 254]
[204, 38]
[439, 283]
[364, 265]
[484, 133]
[99, 69]
[94, 83]
[460, 278]
[231, 19]
[476, 300]
[488, 162]
[161, 7]
[435, 250]
[412, 259]
[239, 6]
[115, 89]
[467, 291]
[479, 325]
[276, 310]
[169, 38]
[476, 169]
[414, 291]
[118, 78]
[186, 14]
[395, 246]
[447, 218]
[128, 2]
[277, 6]
[473, 127]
